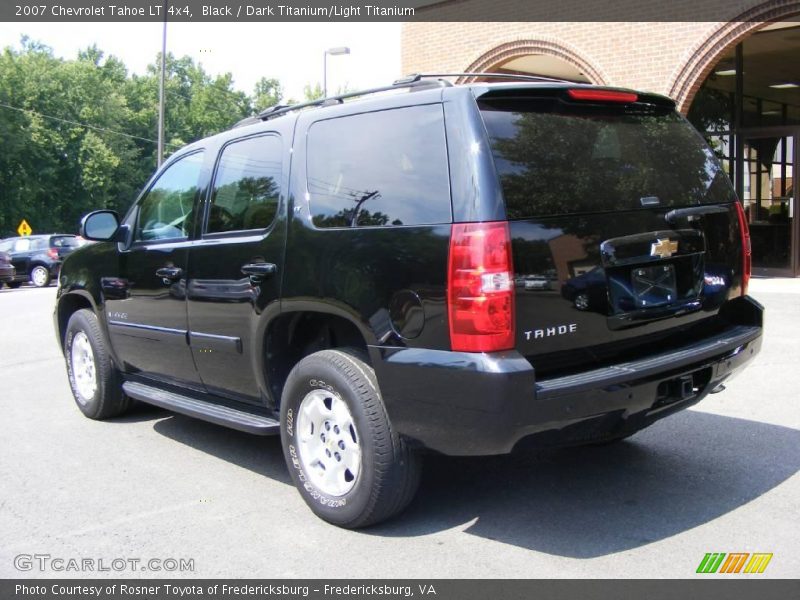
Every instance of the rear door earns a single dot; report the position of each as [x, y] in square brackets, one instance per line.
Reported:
[622, 208]
[25, 252]
[234, 269]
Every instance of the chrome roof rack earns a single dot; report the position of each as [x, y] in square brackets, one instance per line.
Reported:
[411, 82]
[510, 76]
[282, 109]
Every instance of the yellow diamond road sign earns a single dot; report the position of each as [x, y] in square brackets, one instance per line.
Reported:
[24, 228]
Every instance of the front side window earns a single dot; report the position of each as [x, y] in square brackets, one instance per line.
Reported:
[166, 212]
[378, 169]
[246, 186]
[23, 245]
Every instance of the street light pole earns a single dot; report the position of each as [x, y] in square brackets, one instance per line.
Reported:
[333, 52]
[161, 88]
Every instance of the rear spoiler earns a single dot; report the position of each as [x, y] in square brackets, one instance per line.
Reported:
[572, 94]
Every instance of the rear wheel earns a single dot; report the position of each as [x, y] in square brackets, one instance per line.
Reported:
[93, 378]
[350, 466]
[40, 276]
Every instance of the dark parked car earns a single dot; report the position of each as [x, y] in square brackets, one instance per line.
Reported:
[344, 276]
[7, 270]
[38, 258]
[588, 291]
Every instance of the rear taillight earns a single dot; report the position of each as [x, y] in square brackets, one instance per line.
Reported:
[52, 253]
[747, 252]
[595, 95]
[480, 288]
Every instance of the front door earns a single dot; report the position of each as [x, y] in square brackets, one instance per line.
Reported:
[234, 268]
[770, 199]
[146, 303]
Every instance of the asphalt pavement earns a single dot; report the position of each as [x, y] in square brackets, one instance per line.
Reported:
[720, 477]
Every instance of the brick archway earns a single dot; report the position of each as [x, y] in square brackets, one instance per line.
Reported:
[509, 50]
[707, 53]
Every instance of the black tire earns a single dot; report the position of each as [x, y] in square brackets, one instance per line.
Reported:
[40, 276]
[108, 399]
[389, 471]
[14, 284]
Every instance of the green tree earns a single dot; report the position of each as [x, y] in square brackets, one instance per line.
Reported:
[312, 92]
[45, 100]
[267, 92]
[80, 134]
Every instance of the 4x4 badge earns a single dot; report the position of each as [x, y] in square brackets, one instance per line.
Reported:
[663, 248]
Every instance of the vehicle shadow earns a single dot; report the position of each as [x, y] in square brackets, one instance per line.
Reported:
[592, 501]
[579, 502]
[262, 455]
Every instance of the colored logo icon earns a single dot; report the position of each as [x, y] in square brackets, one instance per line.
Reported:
[734, 562]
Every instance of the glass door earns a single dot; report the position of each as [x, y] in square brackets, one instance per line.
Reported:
[770, 200]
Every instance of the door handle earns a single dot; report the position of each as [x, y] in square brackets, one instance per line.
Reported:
[169, 273]
[259, 271]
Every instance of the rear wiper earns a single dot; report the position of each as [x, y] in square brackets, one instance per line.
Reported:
[693, 211]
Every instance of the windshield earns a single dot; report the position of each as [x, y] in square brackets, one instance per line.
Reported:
[553, 158]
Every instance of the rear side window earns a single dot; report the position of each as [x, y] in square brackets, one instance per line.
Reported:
[379, 169]
[246, 186]
[555, 159]
[26, 244]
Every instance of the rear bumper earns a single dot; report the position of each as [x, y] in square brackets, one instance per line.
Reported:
[7, 274]
[478, 404]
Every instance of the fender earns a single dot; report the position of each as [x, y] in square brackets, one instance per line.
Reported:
[284, 308]
[65, 295]
[74, 281]
[336, 309]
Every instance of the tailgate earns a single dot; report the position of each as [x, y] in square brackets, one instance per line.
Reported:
[624, 228]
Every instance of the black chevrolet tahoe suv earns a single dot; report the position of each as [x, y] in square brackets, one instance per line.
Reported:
[352, 276]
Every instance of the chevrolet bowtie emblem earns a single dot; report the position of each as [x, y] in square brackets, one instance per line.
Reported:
[663, 248]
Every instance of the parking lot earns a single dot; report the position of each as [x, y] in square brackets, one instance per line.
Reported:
[721, 477]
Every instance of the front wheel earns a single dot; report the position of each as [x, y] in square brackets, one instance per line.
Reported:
[350, 466]
[95, 382]
[582, 301]
[40, 276]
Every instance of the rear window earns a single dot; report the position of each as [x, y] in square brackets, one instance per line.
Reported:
[380, 168]
[553, 158]
[65, 241]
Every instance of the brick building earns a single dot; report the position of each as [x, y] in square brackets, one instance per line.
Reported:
[736, 78]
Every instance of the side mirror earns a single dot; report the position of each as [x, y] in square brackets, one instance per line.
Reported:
[100, 226]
